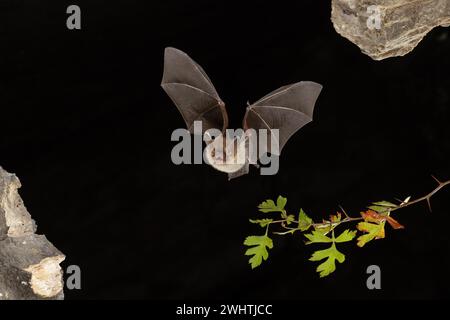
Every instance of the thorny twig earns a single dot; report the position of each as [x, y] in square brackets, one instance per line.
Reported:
[333, 225]
[426, 197]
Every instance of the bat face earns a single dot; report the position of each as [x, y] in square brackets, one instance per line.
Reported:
[226, 155]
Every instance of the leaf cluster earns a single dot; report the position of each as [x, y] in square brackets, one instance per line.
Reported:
[370, 226]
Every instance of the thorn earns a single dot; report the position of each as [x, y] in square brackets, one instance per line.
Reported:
[436, 179]
[343, 210]
[429, 205]
[248, 103]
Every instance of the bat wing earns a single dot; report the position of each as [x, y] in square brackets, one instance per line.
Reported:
[192, 91]
[287, 109]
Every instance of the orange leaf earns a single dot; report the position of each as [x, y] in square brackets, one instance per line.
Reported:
[372, 216]
[336, 218]
[394, 223]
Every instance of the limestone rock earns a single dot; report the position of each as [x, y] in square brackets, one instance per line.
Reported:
[402, 23]
[29, 263]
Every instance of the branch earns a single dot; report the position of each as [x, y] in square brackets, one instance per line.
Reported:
[347, 218]
[426, 197]
[375, 217]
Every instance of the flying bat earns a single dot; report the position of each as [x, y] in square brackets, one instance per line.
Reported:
[281, 113]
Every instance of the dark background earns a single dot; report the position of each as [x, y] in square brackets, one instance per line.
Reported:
[86, 127]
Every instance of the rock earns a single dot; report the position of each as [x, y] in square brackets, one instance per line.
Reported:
[29, 263]
[402, 23]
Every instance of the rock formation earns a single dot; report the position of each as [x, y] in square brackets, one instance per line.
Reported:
[388, 28]
[29, 263]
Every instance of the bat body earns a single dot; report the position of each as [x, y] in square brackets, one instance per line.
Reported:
[280, 113]
[226, 159]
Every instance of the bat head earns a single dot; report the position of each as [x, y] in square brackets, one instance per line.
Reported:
[227, 154]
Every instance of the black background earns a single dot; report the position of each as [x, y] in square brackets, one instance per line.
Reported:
[86, 127]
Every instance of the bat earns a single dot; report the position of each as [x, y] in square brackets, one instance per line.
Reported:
[281, 113]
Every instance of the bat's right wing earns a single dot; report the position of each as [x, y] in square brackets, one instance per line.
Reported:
[191, 90]
[287, 109]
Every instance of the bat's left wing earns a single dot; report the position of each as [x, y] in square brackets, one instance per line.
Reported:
[287, 109]
[189, 87]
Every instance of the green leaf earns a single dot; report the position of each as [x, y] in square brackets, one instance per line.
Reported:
[323, 229]
[258, 250]
[289, 219]
[317, 237]
[262, 222]
[385, 204]
[304, 222]
[379, 209]
[270, 206]
[281, 202]
[373, 230]
[345, 236]
[382, 206]
[329, 265]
